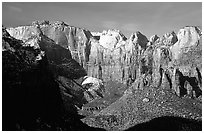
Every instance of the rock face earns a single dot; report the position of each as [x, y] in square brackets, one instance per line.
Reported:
[153, 38]
[111, 57]
[77, 40]
[169, 38]
[162, 75]
[118, 63]
[188, 57]
[34, 97]
[174, 62]
[95, 88]
[111, 38]
[167, 76]
[24, 99]
[188, 37]
[64, 57]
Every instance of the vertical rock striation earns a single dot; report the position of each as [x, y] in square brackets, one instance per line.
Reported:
[110, 56]
[170, 65]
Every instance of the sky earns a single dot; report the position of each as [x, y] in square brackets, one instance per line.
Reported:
[148, 18]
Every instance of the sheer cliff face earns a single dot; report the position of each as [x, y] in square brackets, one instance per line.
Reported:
[59, 61]
[161, 73]
[119, 62]
[167, 59]
[27, 87]
[77, 40]
[38, 91]
[169, 83]
[110, 56]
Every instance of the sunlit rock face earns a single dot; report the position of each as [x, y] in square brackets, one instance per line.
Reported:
[75, 39]
[187, 37]
[110, 56]
[174, 54]
[40, 85]
[168, 82]
[153, 38]
[111, 39]
[169, 38]
[95, 88]
[60, 63]
[187, 56]
[162, 73]
[118, 62]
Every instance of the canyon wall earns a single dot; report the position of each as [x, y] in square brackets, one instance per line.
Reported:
[110, 56]
[156, 70]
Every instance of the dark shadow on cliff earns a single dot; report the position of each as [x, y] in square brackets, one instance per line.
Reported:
[31, 97]
[33, 102]
[168, 123]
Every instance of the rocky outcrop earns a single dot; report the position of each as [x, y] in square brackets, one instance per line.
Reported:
[169, 38]
[33, 95]
[114, 58]
[25, 83]
[95, 88]
[153, 38]
[67, 48]
[77, 40]
[111, 57]
[162, 75]
[188, 37]
[168, 77]
[118, 64]
[111, 39]
[160, 65]
[188, 57]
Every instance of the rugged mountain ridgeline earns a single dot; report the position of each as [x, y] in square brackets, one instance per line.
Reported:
[155, 77]
[39, 88]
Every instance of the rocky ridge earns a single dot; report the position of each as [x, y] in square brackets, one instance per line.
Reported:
[34, 94]
[168, 84]
[164, 73]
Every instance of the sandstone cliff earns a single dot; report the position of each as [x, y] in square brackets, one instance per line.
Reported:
[77, 40]
[169, 83]
[113, 57]
[109, 58]
[23, 85]
[162, 75]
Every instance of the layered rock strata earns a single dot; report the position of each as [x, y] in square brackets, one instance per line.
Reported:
[156, 71]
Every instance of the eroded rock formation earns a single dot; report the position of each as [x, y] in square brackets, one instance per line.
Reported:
[162, 75]
[77, 40]
[168, 77]
[109, 58]
[95, 88]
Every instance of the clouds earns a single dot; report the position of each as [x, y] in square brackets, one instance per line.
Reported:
[110, 24]
[14, 9]
[130, 27]
[123, 26]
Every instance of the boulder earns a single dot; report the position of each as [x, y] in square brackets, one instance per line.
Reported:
[169, 38]
[95, 88]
